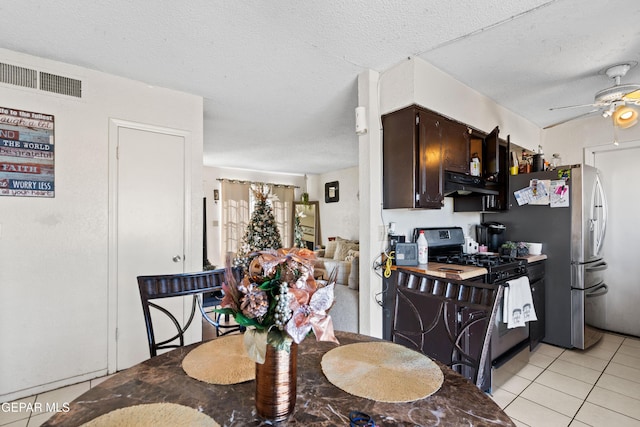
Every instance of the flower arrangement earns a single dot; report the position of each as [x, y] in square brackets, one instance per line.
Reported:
[279, 301]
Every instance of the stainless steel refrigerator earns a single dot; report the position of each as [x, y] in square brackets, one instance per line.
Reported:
[572, 238]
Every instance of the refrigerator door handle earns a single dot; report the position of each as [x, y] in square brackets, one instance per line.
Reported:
[599, 266]
[599, 238]
[594, 293]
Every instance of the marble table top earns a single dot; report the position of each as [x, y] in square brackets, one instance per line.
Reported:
[319, 403]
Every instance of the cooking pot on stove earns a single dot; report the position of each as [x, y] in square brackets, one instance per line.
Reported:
[491, 234]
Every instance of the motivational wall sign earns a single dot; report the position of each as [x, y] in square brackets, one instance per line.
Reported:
[26, 153]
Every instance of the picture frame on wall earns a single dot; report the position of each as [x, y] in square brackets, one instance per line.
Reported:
[331, 192]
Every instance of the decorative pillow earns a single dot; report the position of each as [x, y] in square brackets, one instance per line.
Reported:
[343, 248]
[330, 250]
[351, 254]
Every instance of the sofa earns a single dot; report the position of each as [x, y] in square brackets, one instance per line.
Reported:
[345, 310]
[341, 257]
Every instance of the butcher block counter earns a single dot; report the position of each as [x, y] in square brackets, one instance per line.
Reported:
[458, 272]
[534, 258]
[446, 271]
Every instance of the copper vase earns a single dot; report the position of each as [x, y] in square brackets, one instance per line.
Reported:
[276, 381]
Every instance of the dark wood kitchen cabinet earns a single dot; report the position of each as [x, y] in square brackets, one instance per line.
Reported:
[418, 145]
[455, 144]
[495, 171]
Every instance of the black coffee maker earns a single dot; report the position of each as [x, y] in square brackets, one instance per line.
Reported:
[491, 234]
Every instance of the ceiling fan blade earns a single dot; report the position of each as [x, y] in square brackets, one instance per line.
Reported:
[574, 106]
[632, 96]
[572, 118]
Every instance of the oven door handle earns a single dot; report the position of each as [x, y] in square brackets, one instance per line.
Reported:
[594, 293]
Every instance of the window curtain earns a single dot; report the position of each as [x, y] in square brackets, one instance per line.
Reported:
[283, 212]
[235, 214]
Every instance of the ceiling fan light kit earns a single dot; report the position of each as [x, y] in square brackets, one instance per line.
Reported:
[625, 117]
[613, 101]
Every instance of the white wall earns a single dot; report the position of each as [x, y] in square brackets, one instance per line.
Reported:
[415, 82]
[341, 218]
[54, 251]
[570, 139]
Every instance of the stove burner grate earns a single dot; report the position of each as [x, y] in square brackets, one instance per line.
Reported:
[479, 259]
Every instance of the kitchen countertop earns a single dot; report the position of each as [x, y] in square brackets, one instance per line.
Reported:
[458, 272]
[446, 271]
[534, 258]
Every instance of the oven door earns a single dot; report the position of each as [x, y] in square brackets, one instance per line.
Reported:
[504, 339]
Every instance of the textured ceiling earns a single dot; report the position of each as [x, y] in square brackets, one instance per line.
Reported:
[280, 78]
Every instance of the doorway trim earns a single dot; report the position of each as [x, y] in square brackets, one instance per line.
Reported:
[112, 270]
[589, 153]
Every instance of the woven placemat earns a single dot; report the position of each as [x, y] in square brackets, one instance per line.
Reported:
[382, 371]
[153, 415]
[223, 360]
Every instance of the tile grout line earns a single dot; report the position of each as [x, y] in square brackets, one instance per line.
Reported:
[532, 381]
[596, 382]
[609, 361]
[600, 376]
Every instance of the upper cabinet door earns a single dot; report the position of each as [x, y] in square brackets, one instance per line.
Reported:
[455, 146]
[492, 155]
[399, 160]
[430, 165]
[412, 159]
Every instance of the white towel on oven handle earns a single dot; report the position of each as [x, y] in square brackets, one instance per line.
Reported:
[518, 303]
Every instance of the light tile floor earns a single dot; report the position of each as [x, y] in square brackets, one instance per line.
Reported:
[599, 386]
[596, 387]
[32, 411]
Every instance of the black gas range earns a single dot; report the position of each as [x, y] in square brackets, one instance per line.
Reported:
[446, 245]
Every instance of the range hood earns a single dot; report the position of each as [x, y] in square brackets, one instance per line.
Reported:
[460, 185]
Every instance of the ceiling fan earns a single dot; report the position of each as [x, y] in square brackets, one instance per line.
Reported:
[613, 101]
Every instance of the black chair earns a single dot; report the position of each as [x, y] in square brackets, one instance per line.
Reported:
[448, 320]
[206, 285]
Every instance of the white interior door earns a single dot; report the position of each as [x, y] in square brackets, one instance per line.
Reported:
[619, 170]
[150, 199]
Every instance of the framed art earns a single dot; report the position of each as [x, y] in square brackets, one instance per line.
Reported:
[331, 192]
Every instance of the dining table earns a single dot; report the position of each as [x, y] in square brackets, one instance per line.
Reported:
[162, 379]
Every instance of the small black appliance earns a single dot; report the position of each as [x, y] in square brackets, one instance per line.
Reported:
[491, 234]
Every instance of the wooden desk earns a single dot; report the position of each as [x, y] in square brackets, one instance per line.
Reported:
[319, 403]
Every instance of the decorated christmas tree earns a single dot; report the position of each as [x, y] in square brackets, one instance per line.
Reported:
[262, 232]
[297, 231]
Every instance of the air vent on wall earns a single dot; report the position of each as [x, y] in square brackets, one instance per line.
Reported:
[18, 76]
[59, 84]
[26, 77]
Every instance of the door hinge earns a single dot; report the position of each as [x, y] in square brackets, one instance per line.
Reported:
[118, 152]
[117, 334]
